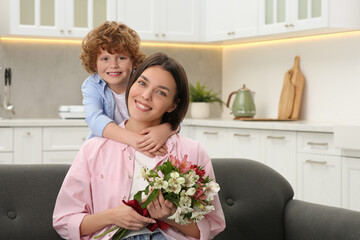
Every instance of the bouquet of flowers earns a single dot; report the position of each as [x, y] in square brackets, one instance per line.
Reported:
[180, 182]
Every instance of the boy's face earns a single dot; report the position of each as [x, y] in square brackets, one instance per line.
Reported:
[114, 69]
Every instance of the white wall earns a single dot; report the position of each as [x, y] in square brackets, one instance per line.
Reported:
[330, 64]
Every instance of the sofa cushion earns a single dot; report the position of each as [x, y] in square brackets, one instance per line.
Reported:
[253, 197]
[28, 194]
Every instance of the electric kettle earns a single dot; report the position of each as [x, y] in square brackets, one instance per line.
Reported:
[243, 105]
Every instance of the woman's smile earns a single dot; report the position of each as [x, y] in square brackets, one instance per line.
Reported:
[141, 106]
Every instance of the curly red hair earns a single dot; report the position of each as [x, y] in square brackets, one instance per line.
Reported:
[114, 37]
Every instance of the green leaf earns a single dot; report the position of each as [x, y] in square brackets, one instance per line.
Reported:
[199, 93]
[151, 197]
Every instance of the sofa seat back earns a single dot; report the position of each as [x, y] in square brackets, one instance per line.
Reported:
[28, 194]
[253, 197]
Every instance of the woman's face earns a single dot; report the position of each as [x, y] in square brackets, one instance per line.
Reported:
[152, 95]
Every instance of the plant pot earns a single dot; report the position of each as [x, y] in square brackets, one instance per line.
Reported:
[200, 109]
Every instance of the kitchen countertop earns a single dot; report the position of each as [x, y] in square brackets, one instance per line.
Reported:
[42, 122]
[305, 126]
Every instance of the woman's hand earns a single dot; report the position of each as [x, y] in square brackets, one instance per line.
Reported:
[126, 217]
[160, 208]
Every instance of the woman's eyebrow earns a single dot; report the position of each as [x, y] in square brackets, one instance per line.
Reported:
[160, 86]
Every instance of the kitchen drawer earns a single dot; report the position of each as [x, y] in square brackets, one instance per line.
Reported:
[320, 143]
[244, 143]
[6, 158]
[59, 157]
[64, 138]
[214, 140]
[6, 139]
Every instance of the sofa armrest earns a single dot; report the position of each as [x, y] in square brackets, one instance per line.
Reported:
[304, 220]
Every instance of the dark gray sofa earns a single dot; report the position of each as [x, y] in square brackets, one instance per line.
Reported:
[257, 202]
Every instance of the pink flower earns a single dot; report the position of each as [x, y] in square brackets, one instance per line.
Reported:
[183, 165]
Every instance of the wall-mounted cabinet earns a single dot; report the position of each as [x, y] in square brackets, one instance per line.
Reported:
[227, 20]
[181, 20]
[56, 18]
[162, 20]
[295, 16]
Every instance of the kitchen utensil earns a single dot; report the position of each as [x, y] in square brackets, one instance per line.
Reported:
[243, 105]
[287, 97]
[6, 104]
[298, 80]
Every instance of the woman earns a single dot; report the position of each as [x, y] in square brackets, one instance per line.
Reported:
[105, 172]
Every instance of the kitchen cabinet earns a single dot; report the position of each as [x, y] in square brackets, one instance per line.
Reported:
[278, 151]
[6, 145]
[27, 145]
[214, 140]
[231, 19]
[318, 169]
[351, 183]
[319, 179]
[287, 16]
[243, 143]
[162, 20]
[41, 144]
[229, 142]
[57, 18]
[61, 144]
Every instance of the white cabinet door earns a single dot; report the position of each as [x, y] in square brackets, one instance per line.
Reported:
[58, 18]
[278, 151]
[244, 143]
[64, 138]
[162, 20]
[144, 19]
[351, 183]
[280, 16]
[6, 158]
[215, 141]
[231, 19]
[28, 145]
[319, 179]
[6, 139]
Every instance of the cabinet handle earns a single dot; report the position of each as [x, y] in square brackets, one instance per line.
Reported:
[163, 35]
[287, 25]
[275, 137]
[28, 133]
[69, 31]
[241, 135]
[211, 133]
[83, 139]
[229, 33]
[317, 144]
[62, 31]
[156, 34]
[233, 33]
[316, 162]
[291, 25]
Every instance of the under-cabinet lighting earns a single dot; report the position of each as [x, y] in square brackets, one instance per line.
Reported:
[185, 45]
[293, 39]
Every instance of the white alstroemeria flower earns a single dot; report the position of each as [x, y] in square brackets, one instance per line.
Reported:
[174, 175]
[211, 189]
[160, 183]
[191, 178]
[174, 186]
[185, 200]
[190, 191]
[145, 172]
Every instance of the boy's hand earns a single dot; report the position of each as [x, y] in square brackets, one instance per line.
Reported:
[154, 138]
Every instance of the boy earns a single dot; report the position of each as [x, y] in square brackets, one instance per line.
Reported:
[110, 53]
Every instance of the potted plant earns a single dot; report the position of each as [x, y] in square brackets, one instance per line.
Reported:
[201, 98]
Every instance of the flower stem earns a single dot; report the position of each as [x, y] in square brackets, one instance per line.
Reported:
[104, 233]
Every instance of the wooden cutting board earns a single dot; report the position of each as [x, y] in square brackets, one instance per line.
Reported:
[287, 97]
[298, 80]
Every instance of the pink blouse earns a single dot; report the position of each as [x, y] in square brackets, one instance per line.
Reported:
[101, 176]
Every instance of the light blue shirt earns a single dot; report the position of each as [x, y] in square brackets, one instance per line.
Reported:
[99, 105]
